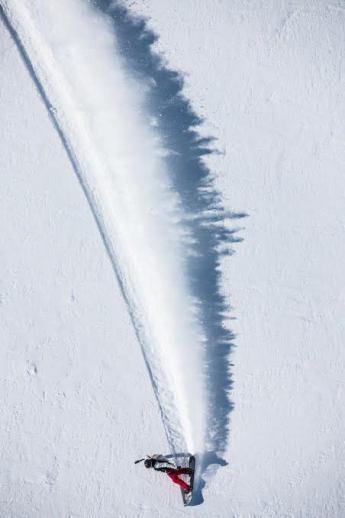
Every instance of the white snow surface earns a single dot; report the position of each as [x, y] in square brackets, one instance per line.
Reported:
[77, 403]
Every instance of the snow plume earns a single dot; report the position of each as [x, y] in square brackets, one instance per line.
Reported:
[211, 227]
[132, 139]
[121, 164]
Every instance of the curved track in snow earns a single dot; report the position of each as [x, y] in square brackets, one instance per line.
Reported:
[128, 191]
[155, 224]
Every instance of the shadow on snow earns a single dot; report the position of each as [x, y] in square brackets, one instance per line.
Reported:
[207, 221]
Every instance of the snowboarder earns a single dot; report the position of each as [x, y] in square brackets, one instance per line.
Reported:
[160, 463]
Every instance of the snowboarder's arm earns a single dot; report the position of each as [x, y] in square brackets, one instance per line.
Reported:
[160, 458]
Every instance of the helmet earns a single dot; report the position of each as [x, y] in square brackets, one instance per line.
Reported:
[148, 463]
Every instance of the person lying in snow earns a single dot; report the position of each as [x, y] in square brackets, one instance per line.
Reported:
[160, 463]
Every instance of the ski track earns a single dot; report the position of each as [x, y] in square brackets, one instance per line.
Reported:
[101, 129]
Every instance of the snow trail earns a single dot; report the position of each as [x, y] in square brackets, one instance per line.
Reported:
[119, 159]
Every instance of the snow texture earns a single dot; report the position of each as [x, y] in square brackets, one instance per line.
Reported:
[78, 405]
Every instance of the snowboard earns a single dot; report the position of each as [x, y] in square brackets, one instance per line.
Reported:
[187, 495]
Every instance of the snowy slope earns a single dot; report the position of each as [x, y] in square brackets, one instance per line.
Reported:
[71, 114]
[78, 404]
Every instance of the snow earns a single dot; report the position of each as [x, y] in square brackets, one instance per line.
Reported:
[78, 406]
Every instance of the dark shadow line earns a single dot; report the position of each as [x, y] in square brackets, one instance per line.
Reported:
[209, 224]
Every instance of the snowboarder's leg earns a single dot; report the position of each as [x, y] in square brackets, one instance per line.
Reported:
[174, 476]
